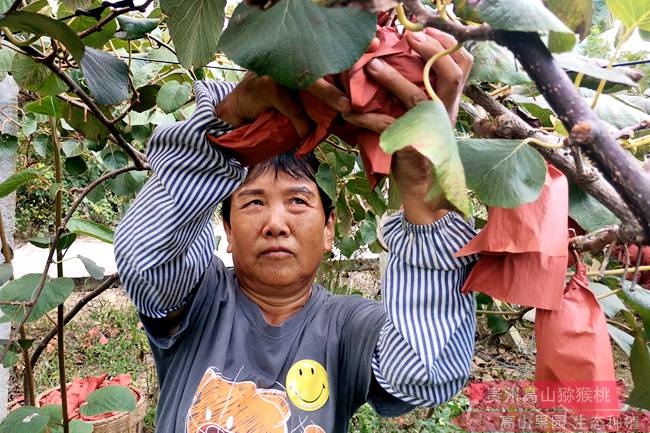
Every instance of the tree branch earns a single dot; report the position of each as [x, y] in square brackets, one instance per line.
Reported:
[114, 14]
[622, 171]
[509, 125]
[462, 33]
[101, 288]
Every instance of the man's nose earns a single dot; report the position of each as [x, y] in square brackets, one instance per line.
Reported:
[276, 223]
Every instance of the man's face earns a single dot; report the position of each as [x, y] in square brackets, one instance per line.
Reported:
[277, 233]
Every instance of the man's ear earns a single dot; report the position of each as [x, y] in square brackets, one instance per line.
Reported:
[227, 229]
[328, 239]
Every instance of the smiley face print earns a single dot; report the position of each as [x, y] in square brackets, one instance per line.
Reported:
[307, 385]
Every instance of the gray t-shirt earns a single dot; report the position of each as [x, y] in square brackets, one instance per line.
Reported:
[225, 369]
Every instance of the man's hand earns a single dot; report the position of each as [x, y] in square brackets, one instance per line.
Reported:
[413, 172]
[254, 95]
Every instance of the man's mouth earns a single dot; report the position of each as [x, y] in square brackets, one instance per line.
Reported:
[277, 252]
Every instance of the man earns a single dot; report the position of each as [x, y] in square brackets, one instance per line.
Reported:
[261, 348]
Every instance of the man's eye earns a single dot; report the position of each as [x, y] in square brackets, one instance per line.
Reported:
[298, 200]
[255, 202]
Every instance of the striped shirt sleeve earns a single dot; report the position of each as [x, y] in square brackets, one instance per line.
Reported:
[424, 352]
[165, 241]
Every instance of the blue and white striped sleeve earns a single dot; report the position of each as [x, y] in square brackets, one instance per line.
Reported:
[165, 241]
[425, 348]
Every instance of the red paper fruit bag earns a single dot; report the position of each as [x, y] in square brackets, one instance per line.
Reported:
[524, 250]
[575, 366]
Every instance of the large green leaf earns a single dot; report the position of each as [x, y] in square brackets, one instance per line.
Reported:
[77, 4]
[135, 28]
[504, 173]
[427, 128]
[195, 27]
[96, 39]
[109, 399]
[632, 13]
[90, 228]
[622, 338]
[495, 64]
[84, 122]
[588, 212]
[42, 25]
[14, 182]
[173, 95]
[106, 75]
[6, 59]
[5, 5]
[614, 110]
[519, 15]
[640, 365]
[55, 292]
[296, 41]
[35, 76]
[638, 298]
[576, 63]
[26, 419]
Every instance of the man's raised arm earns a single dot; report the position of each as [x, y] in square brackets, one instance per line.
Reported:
[165, 242]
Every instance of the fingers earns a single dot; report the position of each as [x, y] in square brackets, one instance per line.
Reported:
[331, 95]
[286, 104]
[407, 92]
[373, 121]
[427, 46]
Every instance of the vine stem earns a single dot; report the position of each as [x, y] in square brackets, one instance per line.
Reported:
[403, 19]
[605, 295]
[427, 69]
[58, 216]
[544, 144]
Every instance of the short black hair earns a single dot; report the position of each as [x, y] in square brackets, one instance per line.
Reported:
[288, 163]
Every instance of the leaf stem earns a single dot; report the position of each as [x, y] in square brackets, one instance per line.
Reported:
[605, 295]
[427, 69]
[612, 59]
[544, 144]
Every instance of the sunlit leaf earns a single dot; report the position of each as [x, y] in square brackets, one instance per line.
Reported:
[503, 173]
[427, 128]
[576, 63]
[19, 179]
[94, 270]
[173, 95]
[135, 28]
[519, 15]
[495, 64]
[55, 292]
[26, 419]
[610, 304]
[35, 76]
[632, 13]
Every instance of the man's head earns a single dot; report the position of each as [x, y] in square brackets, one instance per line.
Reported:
[279, 223]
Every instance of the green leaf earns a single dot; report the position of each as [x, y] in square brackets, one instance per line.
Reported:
[5, 5]
[36, 77]
[326, 180]
[638, 298]
[296, 41]
[520, 15]
[497, 324]
[427, 128]
[55, 292]
[96, 272]
[107, 76]
[19, 179]
[42, 25]
[114, 160]
[495, 64]
[611, 304]
[71, 148]
[109, 399]
[503, 173]
[135, 28]
[77, 4]
[75, 166]
[78, 426]
[640, 365]
[11, 357]
[90, 228]
[84, 122]
[146, 98]
[99, 38]
[348, 246]
[126, 183]
[173, 95]
[632, 13]
[6, 271]
[54, 412]
[195, 27]
[6, 59]
[588, 212]
[614, 110]
[576, 63]
[8, 145]
[368, 231]
[65, 240]
[561, 42]
[575, 14]
[49, 106]
[26, 419]
[622, 338]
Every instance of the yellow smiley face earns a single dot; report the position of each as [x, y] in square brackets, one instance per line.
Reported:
[307, 385]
